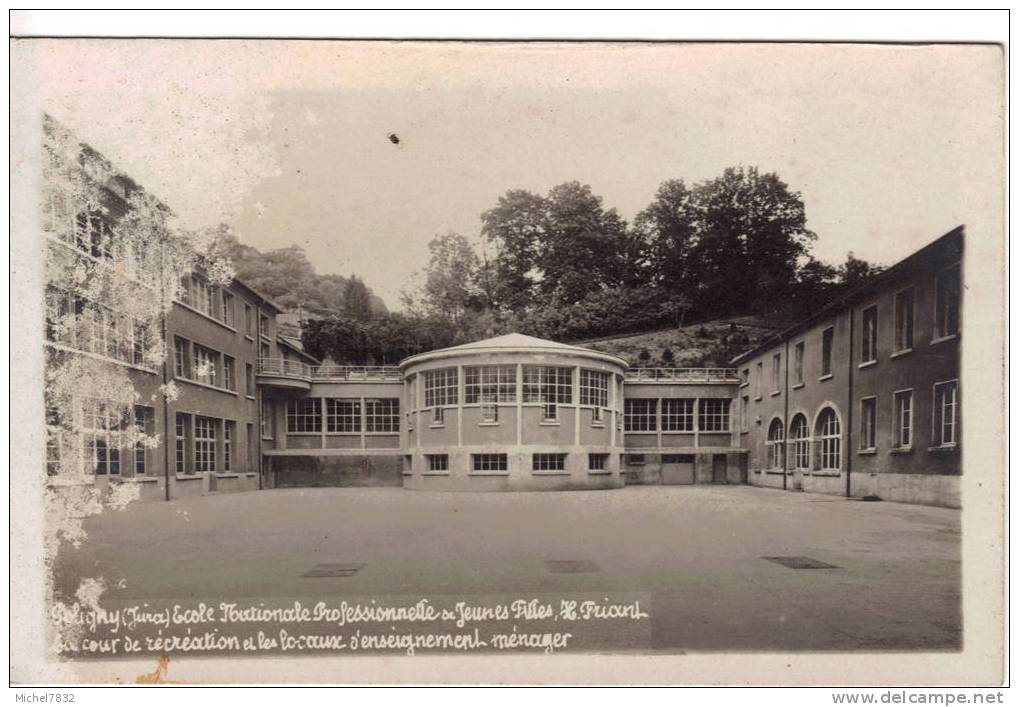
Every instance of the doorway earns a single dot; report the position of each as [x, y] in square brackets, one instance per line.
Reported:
[718, 475]
[677, 469]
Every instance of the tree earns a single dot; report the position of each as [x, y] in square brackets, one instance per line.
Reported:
[854, 271]
[516, 227]
[357, 300]
[667, 230]
[450, 281]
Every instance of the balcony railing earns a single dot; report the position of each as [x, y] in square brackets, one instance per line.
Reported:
[684, 375]
[298, 369]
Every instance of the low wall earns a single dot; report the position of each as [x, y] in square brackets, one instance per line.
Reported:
[925, 489]
[335, 470]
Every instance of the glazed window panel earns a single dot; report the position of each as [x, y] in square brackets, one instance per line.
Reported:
[678, 415]
[776, 368]
[441, 387]
[343, 415]
[382, 415]
[228, 444]
[144, 420]
[489, 462]
[438, 462]
[183, 422]
[596, 462]
[946, 414]
[227, 308]
[206, 368]
[776, 445]
[229, 373]
[714, 415]
[103, 422]
[947, 295]
[304, 415]
[903, 409]
[490, 384]
[594, 388]
[548, 462]
[639, 415]
[798, 362]
[868, 423]
[800, 435]
[827, 342]
[868, 341]
[205, 444]
[548, 384]
[904, 320]
[828, 441]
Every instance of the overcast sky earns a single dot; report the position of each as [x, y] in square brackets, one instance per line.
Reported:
[287, 141]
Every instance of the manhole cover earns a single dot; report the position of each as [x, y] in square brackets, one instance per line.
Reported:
[801, 563]
[340, 569]
[571, 566]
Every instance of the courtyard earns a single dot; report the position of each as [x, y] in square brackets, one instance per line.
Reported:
[890, 578]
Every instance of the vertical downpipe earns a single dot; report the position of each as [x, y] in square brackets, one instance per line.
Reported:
[849, 411]
[166, 379]
[785, 421]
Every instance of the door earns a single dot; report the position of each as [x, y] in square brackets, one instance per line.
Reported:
[718, 469]
[677, 469]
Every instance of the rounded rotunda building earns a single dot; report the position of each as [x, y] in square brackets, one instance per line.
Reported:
[512, 413]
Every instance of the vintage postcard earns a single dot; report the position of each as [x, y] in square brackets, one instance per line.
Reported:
[489, 362]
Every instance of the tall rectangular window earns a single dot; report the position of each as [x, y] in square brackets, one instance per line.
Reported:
[343, 415]
[548, 462]
[382, 414]
[490, 384]
[946, 414]
[827, 341]
[206, 368]
[594, 388]
[141, 342]
[758, 379]
[267, 422]
[677, 414]
[249, 320]
[102, 421]
[143, 423]
[489, 462]
[181, 441]
[227, 308]
[249, 379]
[947, 294]
[714, 415]
[229, 381]
[441, 387]
[304, 415]
[205, 444]
[868, 423]
[639, 415]
[868, 340]
[263, 325]
[776, 373]
[903, 405]
[904, 320]
[745, 414]
[181, 367]
[798, 362]
[228, 444]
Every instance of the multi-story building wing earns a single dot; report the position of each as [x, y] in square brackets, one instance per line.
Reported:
[863, 398]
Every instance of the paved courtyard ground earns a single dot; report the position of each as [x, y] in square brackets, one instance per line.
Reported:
[695, 552]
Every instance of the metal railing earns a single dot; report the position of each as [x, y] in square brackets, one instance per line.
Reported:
[691, 375]
[299, 369]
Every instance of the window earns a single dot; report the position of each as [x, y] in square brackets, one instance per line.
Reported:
[757, 379]
[228, 440]
[268, 419]
[744, 377]
[140, 335]
[489, 462]
[947, 291]
[263, 325]
[205, 444]
[228, 373]
[249, 379]
[639, 415]
[489, 412]
[677, 414]
[548, 462]
[828, 439]
[868, 424]
[102, 423]
[596, 462]
[744, 417]
[343, 415]
[798, 363]
[264, 352]
[183, 422]
[827, 339]
[903, 406]
[776, 369]
[904, 320]
[441, 387]
[594, 388]
[206, 365]
[93, 235]
[252, 448]
[714, 415]
[550, 412]
[438, 416]
[143, 422]
[54, 437]
[800, 434]
[776, 445]
[438, 462]
[490, 384]
[249, 320]
[227, 308]
[868, 343]
[382, 414]
[635, 459]
[946, 414]
[548, 384]
[304, 415]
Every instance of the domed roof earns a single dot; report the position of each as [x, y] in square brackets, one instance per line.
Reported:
[512, 343]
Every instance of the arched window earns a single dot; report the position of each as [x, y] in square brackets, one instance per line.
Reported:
[828, 441]
[776, 445]
[799, 431]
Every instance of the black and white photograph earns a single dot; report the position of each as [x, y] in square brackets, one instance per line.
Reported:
[335, 359]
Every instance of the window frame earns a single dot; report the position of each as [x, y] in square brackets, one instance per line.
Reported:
[442, 387]
[941, 321]
[706, 418]
[548, 461]
[827, 352]
[382, 415]
[802, 443]
[905, 326]
[206, 438]
[868, 424]
[438, 463]
[868, 338]
[649, 417]
[899, 424]
[827, 445]
[304, 421]
[938, 415]
[343, 416]
[775, 445]
[678, 420]
[490, 463]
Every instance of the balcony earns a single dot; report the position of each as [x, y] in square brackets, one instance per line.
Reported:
[297, 375]
[682, 375]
